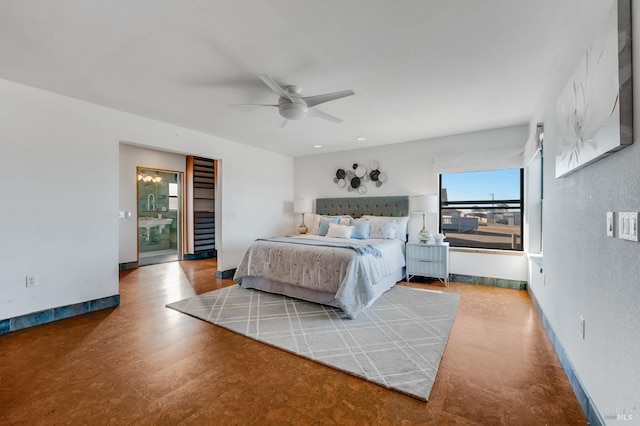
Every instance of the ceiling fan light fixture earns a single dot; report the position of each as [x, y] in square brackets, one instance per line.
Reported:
[293, 106]
[293, 111]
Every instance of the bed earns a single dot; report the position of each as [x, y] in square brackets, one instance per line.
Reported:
[335, 264]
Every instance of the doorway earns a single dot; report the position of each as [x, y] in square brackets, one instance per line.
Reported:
[160, 212]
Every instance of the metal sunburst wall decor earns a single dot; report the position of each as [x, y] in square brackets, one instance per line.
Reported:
[355, 179]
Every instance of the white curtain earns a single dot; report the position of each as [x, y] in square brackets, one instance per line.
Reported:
[533, 145]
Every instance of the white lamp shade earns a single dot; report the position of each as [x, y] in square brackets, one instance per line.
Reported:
[425, 204]
[302, 206]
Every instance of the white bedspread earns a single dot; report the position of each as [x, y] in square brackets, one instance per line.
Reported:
[343, 271]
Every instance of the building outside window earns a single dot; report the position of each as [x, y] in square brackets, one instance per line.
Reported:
[483, 209]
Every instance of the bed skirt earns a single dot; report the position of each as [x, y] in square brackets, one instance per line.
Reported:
[317, 296]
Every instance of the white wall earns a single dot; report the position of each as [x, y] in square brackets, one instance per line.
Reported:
[410, 171]
[59, 217]
[508, 266]
[587, 273]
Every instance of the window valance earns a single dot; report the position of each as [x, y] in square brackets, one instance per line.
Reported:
[510, 158]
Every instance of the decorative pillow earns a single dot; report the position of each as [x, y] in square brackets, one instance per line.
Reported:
[401, 224]
[361, 229]
[345, 220]
[402, 228]
[339, 231]
[323, 227]
[384, 228]
[315, 228]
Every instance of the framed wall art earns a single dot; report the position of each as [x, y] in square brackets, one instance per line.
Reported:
[595, 108]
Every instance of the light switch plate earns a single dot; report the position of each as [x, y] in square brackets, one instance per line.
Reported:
[628, 226]
[609, 224]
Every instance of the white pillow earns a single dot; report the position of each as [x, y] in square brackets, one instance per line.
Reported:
[339, 231]
[315, 228]
[400, 229]
[383, 228]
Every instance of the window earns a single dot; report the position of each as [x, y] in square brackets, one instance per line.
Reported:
[482, 209]
[173, 196]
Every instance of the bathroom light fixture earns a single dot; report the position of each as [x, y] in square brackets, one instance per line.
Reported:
[149, 178]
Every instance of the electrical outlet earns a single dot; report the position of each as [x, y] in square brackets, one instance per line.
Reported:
[582, 330]
[30, 281]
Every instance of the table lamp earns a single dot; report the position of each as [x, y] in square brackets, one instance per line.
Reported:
[302, 206]
[425, 204]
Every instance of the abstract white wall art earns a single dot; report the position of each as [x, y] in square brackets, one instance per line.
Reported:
[595, 108]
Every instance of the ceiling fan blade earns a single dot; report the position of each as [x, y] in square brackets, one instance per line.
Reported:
[250, 105]
[320, 99]
[321, 114]
[275, 87]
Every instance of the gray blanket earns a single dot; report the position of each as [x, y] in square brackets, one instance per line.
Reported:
[350, 270]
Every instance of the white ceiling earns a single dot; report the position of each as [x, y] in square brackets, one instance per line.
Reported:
[420, 69]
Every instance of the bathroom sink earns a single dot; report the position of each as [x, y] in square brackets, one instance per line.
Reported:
[151, 222]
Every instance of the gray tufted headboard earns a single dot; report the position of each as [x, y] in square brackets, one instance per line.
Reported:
[356, 207]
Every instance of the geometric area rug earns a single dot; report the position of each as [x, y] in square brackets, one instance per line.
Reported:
[396, 343]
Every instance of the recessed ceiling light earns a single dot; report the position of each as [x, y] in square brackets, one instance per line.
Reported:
[317, 146]
[361, 139]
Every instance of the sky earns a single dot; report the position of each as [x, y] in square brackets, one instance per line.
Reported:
[503, 184]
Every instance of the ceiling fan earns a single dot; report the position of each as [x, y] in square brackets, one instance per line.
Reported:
[293, 106]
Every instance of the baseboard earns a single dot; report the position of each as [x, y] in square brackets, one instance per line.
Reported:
[226, 274]
[203, 255]
[128, 265]
[585, 401]
[54, 314]
[493, 282]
